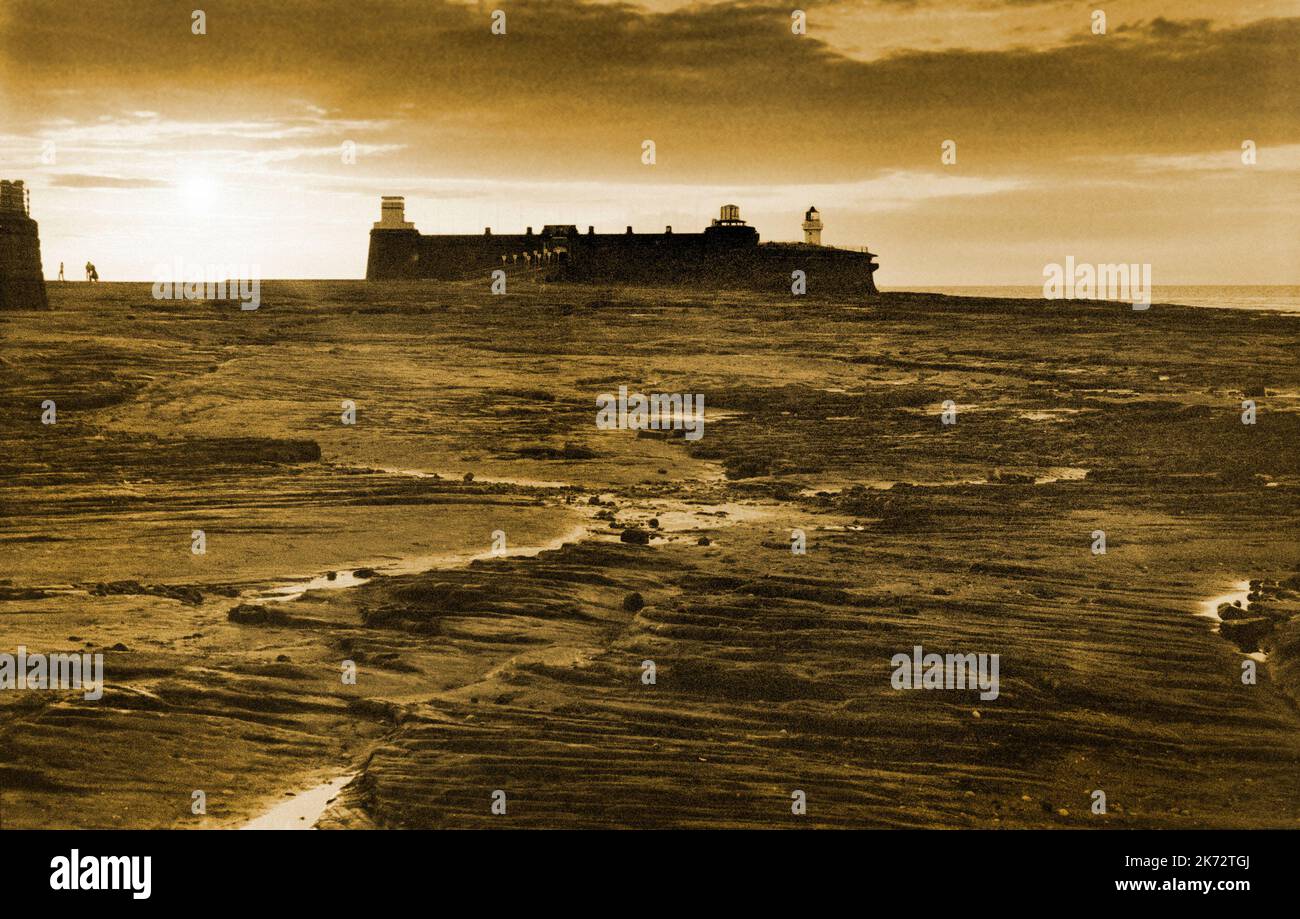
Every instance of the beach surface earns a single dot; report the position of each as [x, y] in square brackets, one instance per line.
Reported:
[473, 589]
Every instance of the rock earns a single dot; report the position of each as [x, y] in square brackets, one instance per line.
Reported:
[635, 536]
[364, 574]
[119, 647]
[331, 575]
[254, 614]
[1228, 611]
[703, 541]
[653, 523]
[191, 595]
[469, 477]
[634, 602]
[1246, 633]
[282, 658]
[570, 451]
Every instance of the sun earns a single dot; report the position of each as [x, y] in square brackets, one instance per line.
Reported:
[198, 191]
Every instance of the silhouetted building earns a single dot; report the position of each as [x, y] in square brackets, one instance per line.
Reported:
[727, 253]
[22, 280]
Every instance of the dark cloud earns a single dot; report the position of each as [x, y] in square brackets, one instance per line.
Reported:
[586, 83]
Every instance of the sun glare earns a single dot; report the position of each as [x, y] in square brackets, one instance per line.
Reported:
[197, 191]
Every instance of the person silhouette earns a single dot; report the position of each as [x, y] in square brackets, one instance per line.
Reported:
[89, 269]
[61, 277]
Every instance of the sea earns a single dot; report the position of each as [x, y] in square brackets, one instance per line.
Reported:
[1282, 297]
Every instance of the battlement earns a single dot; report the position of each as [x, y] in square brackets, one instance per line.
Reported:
[15, 198]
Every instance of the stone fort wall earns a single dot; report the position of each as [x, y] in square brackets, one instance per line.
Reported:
[22, 278]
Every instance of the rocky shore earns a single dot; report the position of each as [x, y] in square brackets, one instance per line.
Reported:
[618, 630]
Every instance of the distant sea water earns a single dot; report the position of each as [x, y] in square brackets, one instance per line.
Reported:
[1283, 297]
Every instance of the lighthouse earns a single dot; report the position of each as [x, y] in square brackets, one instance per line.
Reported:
[812, 227]
[22, 280]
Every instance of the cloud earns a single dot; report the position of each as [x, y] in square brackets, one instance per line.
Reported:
[73, 180]
[577, 87]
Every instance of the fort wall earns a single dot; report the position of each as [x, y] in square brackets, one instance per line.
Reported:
[22, 278]
[726, 254]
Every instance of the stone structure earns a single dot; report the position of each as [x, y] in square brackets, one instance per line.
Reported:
[22, 279]
[727, 253]
[812, 227]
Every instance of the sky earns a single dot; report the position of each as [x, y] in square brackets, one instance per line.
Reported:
[146, 145]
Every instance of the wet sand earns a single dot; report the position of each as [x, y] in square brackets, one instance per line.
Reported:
[523, 673]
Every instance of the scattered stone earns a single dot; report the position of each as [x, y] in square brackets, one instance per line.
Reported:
[1229, 611]
[570, 451]
[634, 602]
[1246, 633]
[23, 593]
[364, 574]
[635, 536]
[654, 523]
[191, 595]
[255, 614]
[703, 541]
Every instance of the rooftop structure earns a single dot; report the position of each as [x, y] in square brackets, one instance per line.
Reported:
[812, 227]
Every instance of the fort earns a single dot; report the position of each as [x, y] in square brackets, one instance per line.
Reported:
[727, 254]
[22, 279]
